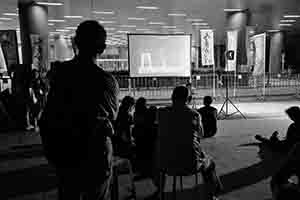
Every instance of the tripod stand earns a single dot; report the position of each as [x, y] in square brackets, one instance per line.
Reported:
[225, 104]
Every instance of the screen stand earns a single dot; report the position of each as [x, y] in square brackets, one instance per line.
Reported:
[227, 101]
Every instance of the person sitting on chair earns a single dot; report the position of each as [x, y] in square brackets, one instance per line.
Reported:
[179, 105]
[292, 135]
[209, 117]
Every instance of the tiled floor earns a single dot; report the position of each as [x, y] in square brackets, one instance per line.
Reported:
[244, 173]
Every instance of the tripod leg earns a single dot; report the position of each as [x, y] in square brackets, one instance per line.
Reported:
[222, 108]
[236, 108]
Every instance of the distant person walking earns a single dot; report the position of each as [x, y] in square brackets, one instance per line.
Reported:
[76, 124]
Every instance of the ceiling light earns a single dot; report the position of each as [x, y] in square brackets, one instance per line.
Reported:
[136, 18]
[194, 20]
[156, 23]
[50, 24]
[5, 18]
[50, 3]
[273, 30]
[142, 29]
[179, 32]
[291, 16]
[177, 14]
[148, 7]
[53, 32]
[73, 16]
[56, 20]
[10, 14]
[123, 31]
[62, 30]
[104, 12]
[285, 24]
[110, 29]
[128, 26]
[287, 20]
[107, 22]
[234, 10]
[199, 24]
[71, 28]
[169, 26]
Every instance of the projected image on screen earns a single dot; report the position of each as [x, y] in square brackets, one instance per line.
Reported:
[159, 55]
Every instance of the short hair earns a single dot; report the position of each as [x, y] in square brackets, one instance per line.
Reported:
[180, 94]
[293, 112]
[90, 36]
[207, 100]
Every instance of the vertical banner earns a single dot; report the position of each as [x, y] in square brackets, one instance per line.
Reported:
[37, 55]
[3, 67]
[258, 47]
[207, 47]
[231, 53]
[9, 46]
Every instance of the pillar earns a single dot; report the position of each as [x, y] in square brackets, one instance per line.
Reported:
[33, 21]
[276, 49]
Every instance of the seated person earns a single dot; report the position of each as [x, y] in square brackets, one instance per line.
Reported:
[292, 135]
[281, 185]
[122, 140]
[209, 117]
[179, 104]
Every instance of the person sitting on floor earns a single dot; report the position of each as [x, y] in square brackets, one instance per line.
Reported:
[282, 186]
[209, 117]
[292, 135]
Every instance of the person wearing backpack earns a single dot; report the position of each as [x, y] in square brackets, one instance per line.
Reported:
[76, 124]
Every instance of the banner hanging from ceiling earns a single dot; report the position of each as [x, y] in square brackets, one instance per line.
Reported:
[207, 47]
[258, 53]
[231, 53]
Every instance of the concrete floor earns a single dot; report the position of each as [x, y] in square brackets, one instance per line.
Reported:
[243, 171]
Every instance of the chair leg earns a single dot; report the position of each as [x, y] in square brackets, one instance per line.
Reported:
[174, 187]
[181, 184]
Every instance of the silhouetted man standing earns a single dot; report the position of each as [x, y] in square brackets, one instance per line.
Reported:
[76, 124]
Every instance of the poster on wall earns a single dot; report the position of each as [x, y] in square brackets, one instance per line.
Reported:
[258, 53]
[3, 67]
[232, 37]
[9, 46]
[207, 47]
[37, 55]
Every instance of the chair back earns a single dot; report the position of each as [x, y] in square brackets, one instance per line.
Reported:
[175, 153]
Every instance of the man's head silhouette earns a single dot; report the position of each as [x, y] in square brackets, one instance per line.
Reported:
[90, 38]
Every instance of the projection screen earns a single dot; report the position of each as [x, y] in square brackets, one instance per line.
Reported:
[159, 55]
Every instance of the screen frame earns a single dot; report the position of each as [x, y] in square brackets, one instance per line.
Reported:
[157, 34]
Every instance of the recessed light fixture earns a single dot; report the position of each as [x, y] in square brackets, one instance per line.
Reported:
[177, 14]
[104, 12]
[285, 24]
[120, 31]
[5, 18]
[291, 16]
[73, 16]
[287, 20]
[110, 28]
[62, 30]
[50, 24]
[169, 27]
[49, 3]
[128, 26]
[71, 27]
[56, 20]
[156, 23]
[107, 22]
[179, 32]
[234, 10]
[199, 24]
[194, 20]
[273, 31]
[142, 29]
[10, 14]
[136, 18]
[147, 7]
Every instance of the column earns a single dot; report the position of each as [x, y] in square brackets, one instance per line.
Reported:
[276, 49]
[33, 21]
